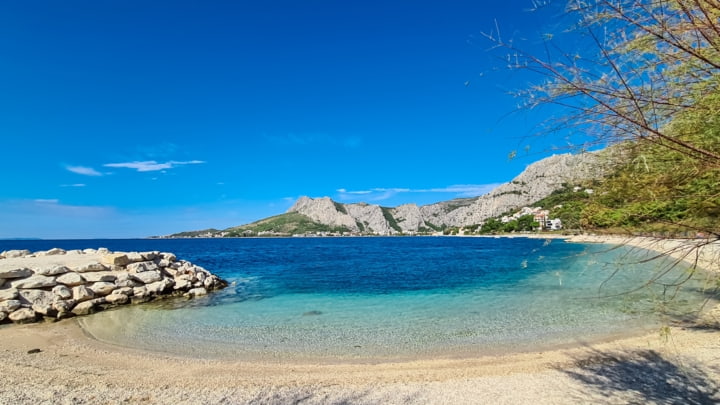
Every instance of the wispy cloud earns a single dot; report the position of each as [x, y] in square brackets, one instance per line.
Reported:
[85, 171]
[73, 185]
[152, 165]
[53, 206]
[454, 191]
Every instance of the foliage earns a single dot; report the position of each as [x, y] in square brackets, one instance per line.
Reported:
[647, 72]
[291, 223]
[527, 223]
[524, 223]
[643, 62]
[567, 204]
[492, 225]
[195, 234]
[340, 207]
[434, 227]
[390, 219]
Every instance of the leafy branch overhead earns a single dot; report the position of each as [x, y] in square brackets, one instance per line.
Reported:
[649, 62]
[646, 75]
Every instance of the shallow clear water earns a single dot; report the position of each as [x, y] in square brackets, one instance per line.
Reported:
[391, 297]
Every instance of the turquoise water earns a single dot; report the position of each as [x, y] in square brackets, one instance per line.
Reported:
[370, 298]
[394, 298]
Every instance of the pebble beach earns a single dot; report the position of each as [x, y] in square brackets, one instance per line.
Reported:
[50, 363]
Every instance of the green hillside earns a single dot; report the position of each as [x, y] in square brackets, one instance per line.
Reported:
[290, 223]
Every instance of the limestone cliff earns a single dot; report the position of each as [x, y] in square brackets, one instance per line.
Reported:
[535, 183]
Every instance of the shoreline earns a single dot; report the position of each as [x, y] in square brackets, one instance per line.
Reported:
[643, 368]
[706, 254]
[120, 374]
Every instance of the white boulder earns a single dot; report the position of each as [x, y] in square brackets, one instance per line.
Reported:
[92, 266]
[54, 251]
[9, 305]
[147, 277]
[96, 276]
[141, 267]
[62, 292]
[117, 299]
[84, 308]
[10, 254]
[182, 284]
[196, 292]
[82, 293]
[23, 315]
[159, 287]
[36, 297]
[115, 259]
[63, 307]
[8, 294]
[52, 270]
[135, 257]
[34, 282]
[16, 273]
[71, 279]
[102, 288]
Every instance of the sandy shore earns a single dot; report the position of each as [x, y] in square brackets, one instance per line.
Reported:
[701, 252]
[71, 368]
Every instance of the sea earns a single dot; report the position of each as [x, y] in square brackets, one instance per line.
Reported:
[395, 298]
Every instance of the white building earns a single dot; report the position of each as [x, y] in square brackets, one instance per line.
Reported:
[553, 224]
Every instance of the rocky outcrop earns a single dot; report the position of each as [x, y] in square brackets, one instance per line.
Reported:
[371, 217]
[360, 217]
[408, 217]
[535, 183]
[325, 211]
[56, 284]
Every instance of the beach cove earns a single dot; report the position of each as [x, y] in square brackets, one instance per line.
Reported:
[644, 368]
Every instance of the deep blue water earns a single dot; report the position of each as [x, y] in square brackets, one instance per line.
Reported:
[345, 265]
[369, 297]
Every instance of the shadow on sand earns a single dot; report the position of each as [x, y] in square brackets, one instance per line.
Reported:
[644, 377]
[327, 395]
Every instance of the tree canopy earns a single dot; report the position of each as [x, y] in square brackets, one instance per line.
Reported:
[649, 82]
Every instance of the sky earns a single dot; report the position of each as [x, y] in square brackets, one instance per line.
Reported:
[127, 118]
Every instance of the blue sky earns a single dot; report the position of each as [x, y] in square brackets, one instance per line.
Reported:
[136, 118]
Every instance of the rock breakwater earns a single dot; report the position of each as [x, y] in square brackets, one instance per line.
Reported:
[57, 284]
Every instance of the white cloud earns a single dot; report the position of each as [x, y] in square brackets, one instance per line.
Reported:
[152, 165]
[85, 171]
[73, 185]
[380, 193]
[344, 191]
[466, 190]
[51, 201]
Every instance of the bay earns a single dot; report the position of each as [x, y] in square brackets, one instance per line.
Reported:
[394, 297]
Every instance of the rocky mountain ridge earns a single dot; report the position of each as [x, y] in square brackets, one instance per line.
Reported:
[327, 217]
[536, 182]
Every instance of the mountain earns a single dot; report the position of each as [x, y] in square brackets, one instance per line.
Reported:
[536, 182]
[361, 217]
[325, 216]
